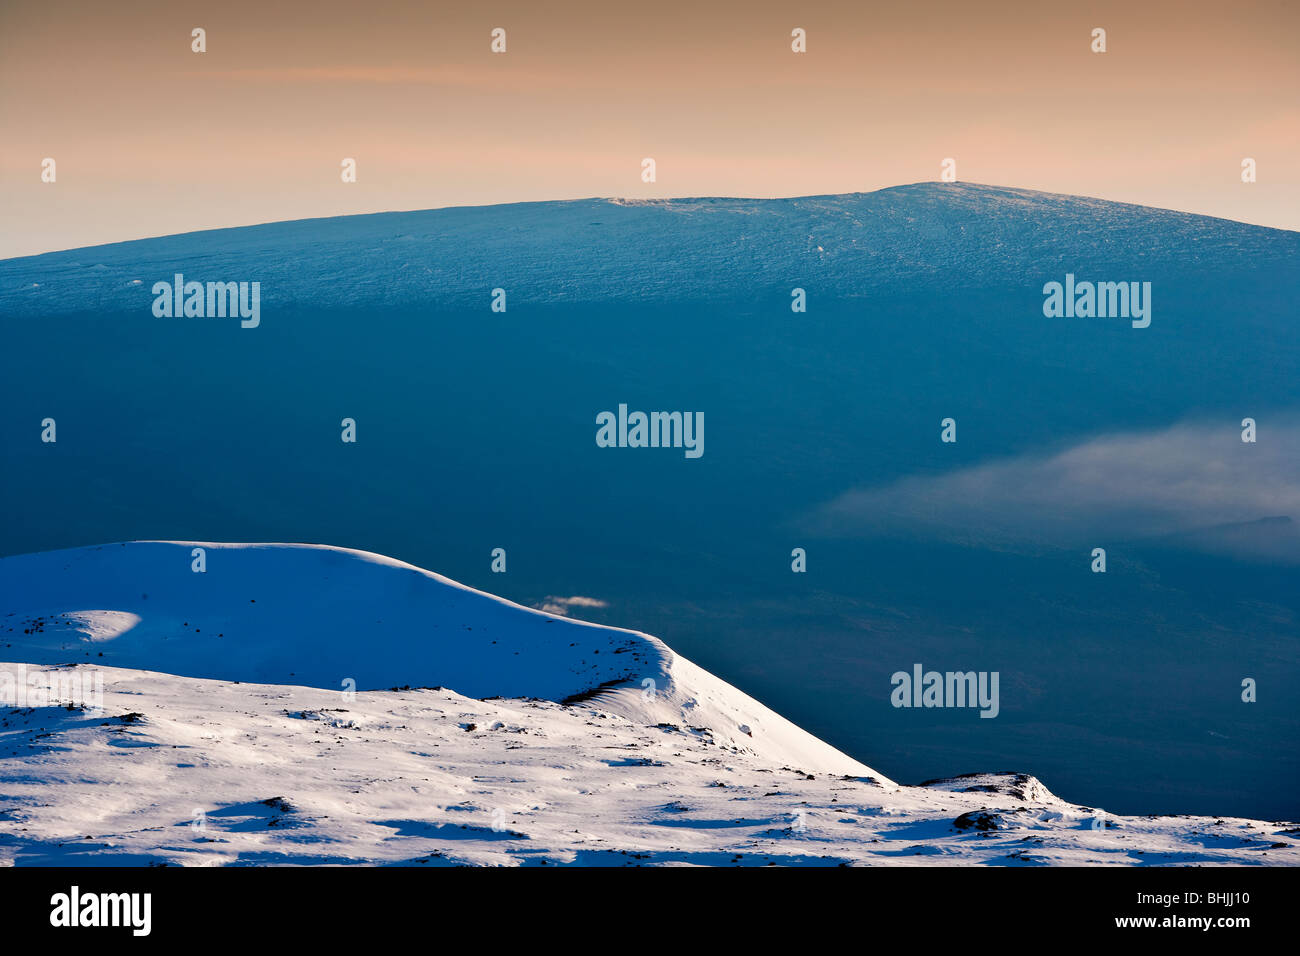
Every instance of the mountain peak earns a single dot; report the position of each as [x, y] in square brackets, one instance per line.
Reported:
[892, 242]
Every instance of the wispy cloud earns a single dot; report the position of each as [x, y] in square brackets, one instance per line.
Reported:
[446, 75]
[1180, 481]
[562, 605]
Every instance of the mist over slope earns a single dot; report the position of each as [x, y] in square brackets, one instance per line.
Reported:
[476, 431]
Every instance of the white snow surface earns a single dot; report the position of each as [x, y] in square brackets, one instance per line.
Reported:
[479, 732]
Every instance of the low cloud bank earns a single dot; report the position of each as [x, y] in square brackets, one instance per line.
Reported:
[1200, 485]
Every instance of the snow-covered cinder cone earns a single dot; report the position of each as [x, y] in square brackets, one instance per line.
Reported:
[331, 617]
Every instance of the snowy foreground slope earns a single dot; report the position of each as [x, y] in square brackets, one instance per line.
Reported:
[479, 732]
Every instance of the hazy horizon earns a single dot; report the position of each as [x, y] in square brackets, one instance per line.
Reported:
[151, 138]
[624, 198]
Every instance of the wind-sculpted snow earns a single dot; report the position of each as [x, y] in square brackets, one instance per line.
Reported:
[197, 772]
[646, 251]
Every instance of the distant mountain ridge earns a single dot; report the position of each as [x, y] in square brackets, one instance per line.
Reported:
[653, 250]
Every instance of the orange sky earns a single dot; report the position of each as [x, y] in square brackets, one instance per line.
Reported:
[151, 138]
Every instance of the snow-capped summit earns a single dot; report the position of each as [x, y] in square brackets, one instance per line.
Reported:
[635, 252]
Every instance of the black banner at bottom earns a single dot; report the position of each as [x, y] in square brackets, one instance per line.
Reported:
[331, 905]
